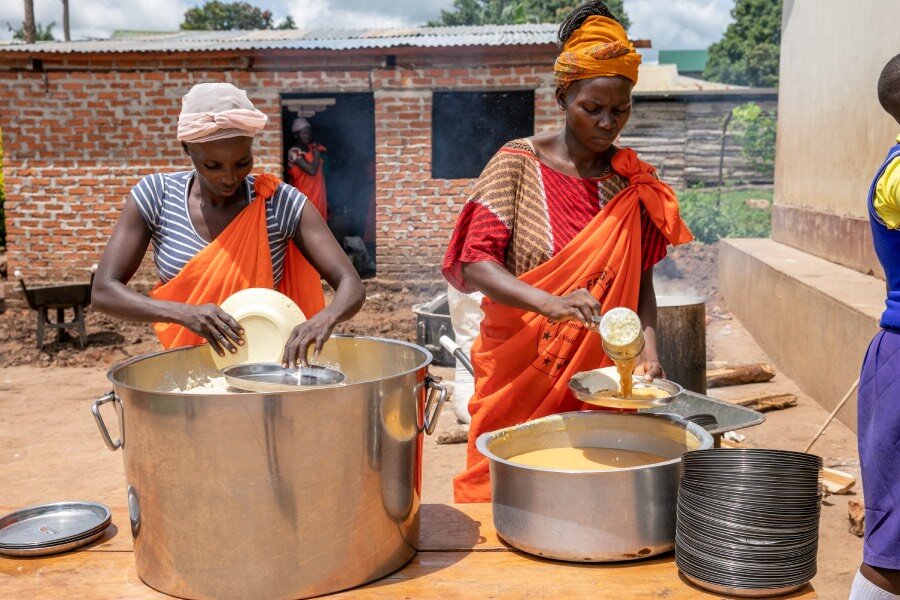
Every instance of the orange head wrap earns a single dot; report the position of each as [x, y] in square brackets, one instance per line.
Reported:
[599, 48]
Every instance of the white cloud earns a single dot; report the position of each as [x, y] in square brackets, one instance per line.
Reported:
[679, 24]
[98, 18]
[317, 13]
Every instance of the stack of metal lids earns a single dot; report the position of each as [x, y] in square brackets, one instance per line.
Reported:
[52, 528]
[748, 520]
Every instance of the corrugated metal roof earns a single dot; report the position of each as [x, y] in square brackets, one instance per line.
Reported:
[303, 39]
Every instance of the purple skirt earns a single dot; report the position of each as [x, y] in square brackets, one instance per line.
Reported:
[878, 431]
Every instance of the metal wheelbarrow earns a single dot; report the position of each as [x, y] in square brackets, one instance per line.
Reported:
[59, 297]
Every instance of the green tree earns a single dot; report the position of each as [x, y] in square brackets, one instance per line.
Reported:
[41, 33]
[504, 12]
[288, 23]
[755, 132]
[748, 52]
[224, 16]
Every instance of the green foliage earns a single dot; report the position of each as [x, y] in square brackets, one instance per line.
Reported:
[711, 217]
[41, 33]
[288, 23]
[748, 52]
[755, 132]
[224, 16]
[506, 12]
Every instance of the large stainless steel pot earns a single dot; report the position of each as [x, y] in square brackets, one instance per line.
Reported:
[279, 495]
[590, 516]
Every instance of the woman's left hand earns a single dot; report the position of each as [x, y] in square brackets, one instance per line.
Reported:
[315, 331]
[649, 368]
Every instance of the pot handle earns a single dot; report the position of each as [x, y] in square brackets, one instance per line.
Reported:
[104, 432]
[433, 406]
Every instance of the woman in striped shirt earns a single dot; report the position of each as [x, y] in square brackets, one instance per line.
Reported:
[206, 226]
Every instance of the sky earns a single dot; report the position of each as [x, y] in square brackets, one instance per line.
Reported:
[669, 24]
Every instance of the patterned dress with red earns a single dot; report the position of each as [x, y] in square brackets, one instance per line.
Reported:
[522, 213]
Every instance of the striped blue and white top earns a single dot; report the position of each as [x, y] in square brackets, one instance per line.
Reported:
[162, 199]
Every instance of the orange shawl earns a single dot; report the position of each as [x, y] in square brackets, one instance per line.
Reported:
[313, 186]
[237, 259]
[523, 362]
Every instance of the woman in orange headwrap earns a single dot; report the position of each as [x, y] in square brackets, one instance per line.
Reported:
[560, 227]
[216, 230]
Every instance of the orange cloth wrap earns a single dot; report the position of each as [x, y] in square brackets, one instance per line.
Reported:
[599, 48]
[522, 361]
[313, 186]
[237, 259]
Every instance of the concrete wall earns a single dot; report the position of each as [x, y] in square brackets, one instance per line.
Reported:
[814, 318]
[832, 132]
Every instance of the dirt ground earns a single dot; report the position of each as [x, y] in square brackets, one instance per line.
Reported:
[34, 445]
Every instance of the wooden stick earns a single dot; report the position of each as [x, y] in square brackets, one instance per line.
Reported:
[830, 418]
[767, 402]
[837, 482]
[739, 375]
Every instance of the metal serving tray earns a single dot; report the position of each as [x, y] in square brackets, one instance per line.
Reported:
[730, 417]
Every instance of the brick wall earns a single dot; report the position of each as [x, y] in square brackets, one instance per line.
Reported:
[78, 135]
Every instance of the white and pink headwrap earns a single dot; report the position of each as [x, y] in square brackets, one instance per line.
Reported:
[214, 111]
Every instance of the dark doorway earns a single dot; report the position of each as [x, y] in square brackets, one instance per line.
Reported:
[345, 125]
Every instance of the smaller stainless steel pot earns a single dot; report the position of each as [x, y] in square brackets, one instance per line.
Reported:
[590, 516]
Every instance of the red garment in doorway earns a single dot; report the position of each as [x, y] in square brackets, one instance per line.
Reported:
[312, 186]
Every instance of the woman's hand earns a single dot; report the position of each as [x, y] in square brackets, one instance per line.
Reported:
[315, 331]
[649, 367]
[214, 324]
[579, 305]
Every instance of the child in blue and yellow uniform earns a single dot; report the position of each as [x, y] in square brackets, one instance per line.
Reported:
[879, 384]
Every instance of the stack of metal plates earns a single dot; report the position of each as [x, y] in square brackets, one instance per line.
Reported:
[748, 520]
[52, 528]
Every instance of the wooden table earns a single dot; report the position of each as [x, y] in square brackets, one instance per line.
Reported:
[460, 557]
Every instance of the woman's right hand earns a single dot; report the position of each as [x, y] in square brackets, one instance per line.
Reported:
[214, 324]
[579, 305]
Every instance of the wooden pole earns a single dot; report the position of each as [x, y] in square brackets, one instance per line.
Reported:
[65, 4]
[28, 22]
[830, 418]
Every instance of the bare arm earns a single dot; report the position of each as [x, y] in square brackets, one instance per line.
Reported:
[312, 166]
[503, 287]
[649, 361]
[315, 241]
[110, 294]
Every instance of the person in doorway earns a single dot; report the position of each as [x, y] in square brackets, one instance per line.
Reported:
[217, 229]
[305, 161]
[561, 227]
[878, 402]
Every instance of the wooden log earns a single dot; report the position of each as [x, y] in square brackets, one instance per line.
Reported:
[767, 402]
[837, 482]
[739, 375]
[856, 512]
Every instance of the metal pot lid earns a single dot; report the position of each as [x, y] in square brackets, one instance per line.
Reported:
[272, 377]
[53, 524]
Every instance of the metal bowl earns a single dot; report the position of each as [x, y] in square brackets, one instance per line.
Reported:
[590, 516]
[585, 386]
[272, 377]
